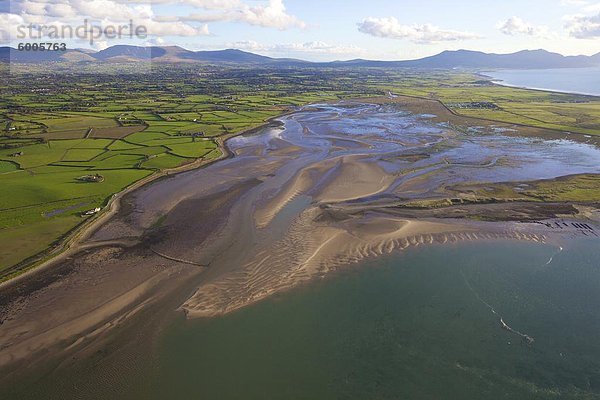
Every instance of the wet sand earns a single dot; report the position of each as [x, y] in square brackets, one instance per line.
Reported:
[322, 191]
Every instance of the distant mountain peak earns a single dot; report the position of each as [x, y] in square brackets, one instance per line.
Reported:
[448, 59]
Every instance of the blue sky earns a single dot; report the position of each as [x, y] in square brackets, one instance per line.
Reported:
[333, 29]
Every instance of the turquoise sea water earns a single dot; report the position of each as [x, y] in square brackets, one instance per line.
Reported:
[569, 80]
[417, 325]
[413, 325]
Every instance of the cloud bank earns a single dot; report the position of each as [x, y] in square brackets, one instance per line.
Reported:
[390, 27]
[583, 26]
[268, 14]
[314, 47]
[517, 26]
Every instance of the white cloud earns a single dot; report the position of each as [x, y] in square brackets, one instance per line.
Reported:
[157, 42]
[592, 8]
[101, 13]
[60, 11]
[274, 15]
[314, 47]
[211, 4]
[583, 26]
[175, 28]
[271, 15]
[100, 45]
[8, 26]
[391, 28]
[70, 9]
[249, 45]
[30, 7]
[205, 4]
[517, 26]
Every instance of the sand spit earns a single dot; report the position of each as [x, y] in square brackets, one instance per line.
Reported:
[352, 179]
[334, 179]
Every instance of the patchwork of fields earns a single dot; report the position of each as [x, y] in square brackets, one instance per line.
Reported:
[125, 127]
[473, 96]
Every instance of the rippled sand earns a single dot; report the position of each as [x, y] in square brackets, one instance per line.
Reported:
[336, 207]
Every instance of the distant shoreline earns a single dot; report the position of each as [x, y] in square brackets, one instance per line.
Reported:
[502, 82]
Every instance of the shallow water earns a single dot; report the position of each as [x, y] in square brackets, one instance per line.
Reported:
[406, 326]
[383, 134]
[410, 325]
[389, 132]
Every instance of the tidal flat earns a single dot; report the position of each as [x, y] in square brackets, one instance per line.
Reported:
[323, 189]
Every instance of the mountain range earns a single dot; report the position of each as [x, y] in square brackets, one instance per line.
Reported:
[526, 59]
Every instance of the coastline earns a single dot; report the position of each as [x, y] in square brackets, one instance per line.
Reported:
[241, 252]
[69, 243]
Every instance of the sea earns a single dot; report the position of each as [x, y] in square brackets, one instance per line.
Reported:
[567, 80]
[429, 323]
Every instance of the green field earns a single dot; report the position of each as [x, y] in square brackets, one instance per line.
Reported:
[584, 188]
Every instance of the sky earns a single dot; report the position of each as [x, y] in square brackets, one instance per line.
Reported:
[317, 30]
